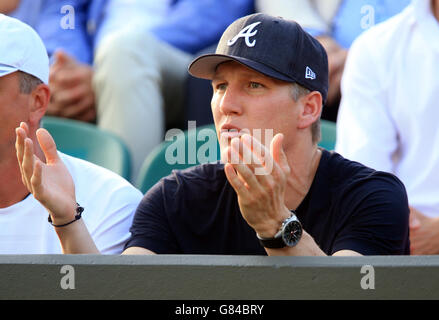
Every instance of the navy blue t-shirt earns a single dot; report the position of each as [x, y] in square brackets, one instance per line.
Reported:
[349, 206]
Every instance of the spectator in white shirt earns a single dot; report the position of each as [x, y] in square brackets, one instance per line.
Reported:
[388, 117]
[108, 199]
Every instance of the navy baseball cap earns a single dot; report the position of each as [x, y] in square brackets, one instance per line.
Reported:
[273, 46]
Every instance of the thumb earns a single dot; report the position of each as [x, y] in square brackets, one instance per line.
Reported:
[48, 145]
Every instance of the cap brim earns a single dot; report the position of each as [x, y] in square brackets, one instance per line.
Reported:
[204, 66]
[6, 69]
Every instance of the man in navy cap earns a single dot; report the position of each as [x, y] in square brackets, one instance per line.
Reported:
[274, 191]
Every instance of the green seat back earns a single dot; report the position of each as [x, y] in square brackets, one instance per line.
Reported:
[163, 159]
[328, 129]
[86, 141]
[157, 166]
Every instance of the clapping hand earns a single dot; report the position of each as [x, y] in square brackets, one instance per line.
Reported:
[50, 182]
[260, 196]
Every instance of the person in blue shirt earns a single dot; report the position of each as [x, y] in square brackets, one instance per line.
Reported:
[51, 21]
[123, 64]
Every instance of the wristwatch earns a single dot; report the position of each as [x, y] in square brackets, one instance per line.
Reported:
[288, 235]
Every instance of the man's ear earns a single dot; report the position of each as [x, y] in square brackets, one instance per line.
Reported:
[39, 99]
[311, 109]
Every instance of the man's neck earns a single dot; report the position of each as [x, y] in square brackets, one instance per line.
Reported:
[303, 171]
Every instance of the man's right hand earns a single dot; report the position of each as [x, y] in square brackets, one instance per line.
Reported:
[50, 182]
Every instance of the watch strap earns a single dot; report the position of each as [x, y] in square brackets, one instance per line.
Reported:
[272, 243]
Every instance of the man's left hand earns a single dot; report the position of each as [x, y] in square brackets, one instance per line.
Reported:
[260, 196]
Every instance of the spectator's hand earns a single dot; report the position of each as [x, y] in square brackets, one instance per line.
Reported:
[50, 183]
[7, 6]
[336, 61]
[71, 87]
[424, 233]
[260, 197]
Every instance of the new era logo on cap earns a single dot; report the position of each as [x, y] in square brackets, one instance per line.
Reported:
[309, 74]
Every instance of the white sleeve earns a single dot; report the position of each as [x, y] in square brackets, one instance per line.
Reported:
[365, 130]
[111, 231]
[109, 203]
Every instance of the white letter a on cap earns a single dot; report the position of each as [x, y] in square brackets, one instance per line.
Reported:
[246, 33]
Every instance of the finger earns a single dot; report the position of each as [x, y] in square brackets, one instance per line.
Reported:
[28, 163]
[60, 61]
[25, 127]
[20, 135]
[244, 172]
[256, 150]
[232, 155]
[62, 58]
[278, 153]
[73, 76]
[237, 184]
[79, 108]
[37, 178]
[66, 72]
[72, 94]
[253, 161]
[263, 155]
[48, 146]
[53, 75]
[88, 116]
[19, 147]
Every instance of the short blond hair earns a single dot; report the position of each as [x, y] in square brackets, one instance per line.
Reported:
[27, 82]
[297, 92]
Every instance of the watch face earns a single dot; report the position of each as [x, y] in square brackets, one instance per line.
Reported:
[292, 233]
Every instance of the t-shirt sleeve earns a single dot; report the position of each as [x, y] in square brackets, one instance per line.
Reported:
[150, 228]
[378, 215]
[110, 229]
